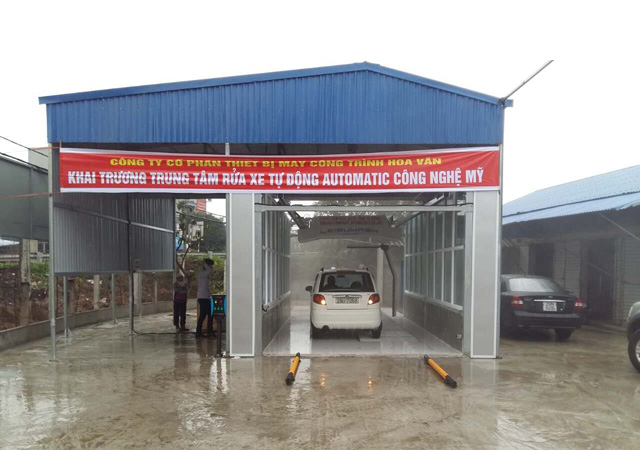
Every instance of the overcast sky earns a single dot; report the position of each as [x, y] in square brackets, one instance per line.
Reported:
[577, 118]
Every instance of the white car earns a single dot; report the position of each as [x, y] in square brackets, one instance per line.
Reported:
[345, 299]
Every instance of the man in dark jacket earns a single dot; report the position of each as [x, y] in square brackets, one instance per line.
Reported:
[180, 294]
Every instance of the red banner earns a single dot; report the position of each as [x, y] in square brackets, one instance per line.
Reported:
[424, 170]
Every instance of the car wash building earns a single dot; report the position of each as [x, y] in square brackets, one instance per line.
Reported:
[425, 154]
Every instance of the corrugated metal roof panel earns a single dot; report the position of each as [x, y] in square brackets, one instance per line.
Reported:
[270, 76]
[610, 184]
[354, 104]
[603, 204]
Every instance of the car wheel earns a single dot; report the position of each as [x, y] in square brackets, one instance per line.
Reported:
[315, 332]
[375, 333]
[562, 334]
[634, 350]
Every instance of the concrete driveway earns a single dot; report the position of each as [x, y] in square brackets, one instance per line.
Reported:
[167, 391]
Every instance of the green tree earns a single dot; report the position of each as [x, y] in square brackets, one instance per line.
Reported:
[215, 236]
[187, 238]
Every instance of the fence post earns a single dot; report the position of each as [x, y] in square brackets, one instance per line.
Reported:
[113, 298]
[155, 288]
[96, 292]
[25, 282]
[65, 306]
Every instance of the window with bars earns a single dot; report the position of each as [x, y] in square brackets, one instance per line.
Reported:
[276, 255]
[434, 255]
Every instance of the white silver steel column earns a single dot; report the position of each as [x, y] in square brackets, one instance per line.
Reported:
[241, 287]
[227, 262]
[485, 267]
[258, 278]
[468, 279]
[130, 261]
[52, 277]
[499, 246]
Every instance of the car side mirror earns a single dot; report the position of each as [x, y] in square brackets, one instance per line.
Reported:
[308, 288]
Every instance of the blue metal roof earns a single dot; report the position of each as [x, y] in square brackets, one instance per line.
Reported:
[610, 191]
[356, 103]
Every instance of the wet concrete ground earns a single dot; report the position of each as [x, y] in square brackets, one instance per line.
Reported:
[400, 337]
[166, 392]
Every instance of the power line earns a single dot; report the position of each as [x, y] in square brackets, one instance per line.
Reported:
[20, 161]
[23, 146]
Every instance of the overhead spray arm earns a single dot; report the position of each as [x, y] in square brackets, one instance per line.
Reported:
[385, 249]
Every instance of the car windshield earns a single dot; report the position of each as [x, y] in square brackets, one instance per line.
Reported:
[346, 281]
[533, 285]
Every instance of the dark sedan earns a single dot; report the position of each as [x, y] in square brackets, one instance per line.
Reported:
[538, 302]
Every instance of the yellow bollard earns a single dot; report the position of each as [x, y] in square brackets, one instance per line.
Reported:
[291, 376]
[445, 376]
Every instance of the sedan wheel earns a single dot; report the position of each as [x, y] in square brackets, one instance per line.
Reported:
[634, 350]
[562, 334]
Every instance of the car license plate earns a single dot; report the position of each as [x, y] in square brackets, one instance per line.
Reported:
[347, 300]
[550, 306]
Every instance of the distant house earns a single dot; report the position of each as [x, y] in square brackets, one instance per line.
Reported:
[585, 235]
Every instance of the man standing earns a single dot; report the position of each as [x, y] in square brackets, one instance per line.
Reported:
[180, 293]
[204, 297]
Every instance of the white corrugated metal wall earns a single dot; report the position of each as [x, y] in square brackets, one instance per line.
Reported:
[558, 262]
[566, 265]
[523, 262]
[91, 233]
[573, 257]
[627, 277]
[618, 282]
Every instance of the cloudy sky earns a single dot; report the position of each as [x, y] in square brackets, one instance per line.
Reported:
[578, 118]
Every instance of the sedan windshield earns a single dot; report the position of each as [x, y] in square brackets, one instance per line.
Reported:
[533, 285]
[346, 281]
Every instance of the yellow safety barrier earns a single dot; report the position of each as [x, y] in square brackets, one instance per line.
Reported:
[445, 376]
[291, 376]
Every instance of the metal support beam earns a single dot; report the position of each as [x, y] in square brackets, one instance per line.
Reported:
[130, 261]
[113, 298]
[385, 249]
[52, 277]
[406, 219]
[241, 286]
[485, 266]
[227, 263]
[65, 299]
[619, 226]
[114, 219]
[131, 303]
[380, 271]
[378, 208]
[137, 289]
